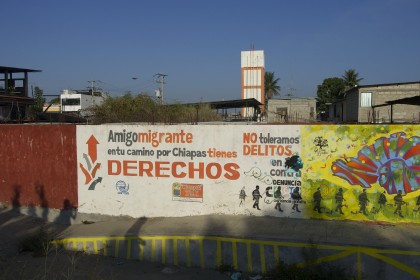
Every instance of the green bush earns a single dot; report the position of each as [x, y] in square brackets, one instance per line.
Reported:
[143, 108]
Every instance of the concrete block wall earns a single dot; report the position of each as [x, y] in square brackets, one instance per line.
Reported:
[382, 94]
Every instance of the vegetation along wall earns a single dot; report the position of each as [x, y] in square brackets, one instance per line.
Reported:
[355, 172]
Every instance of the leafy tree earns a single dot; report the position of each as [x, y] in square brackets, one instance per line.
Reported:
[331, 90]
[351, 79]
[38, 106]
[271, 88]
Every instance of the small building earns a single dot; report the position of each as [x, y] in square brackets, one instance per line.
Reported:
[78, 101]
[291, 110]
[14, 94]
[380, 103]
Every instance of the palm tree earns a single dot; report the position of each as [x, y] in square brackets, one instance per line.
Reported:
[271, 88]
[351, 79]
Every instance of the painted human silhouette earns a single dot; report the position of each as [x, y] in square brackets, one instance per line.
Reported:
[296, 198]
[242, 196]
[256, 197]
[317, 200]
[399, 202]
[382, 200]
[277, 198]
[363, 202]
[339, 198]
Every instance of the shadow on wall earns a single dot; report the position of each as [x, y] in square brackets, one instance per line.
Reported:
[40, 208]
[67, 213]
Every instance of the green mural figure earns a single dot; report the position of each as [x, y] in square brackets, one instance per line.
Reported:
[317, 199]
[416, 211]
[399, 202]
[363, 202]
[382, 201]
[339, 198]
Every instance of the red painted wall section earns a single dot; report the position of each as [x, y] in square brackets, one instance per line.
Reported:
[38, 166]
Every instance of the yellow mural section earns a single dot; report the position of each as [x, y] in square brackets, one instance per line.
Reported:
[361, 172]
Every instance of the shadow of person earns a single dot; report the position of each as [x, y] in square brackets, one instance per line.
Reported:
[67, 213]
[135, 230]
[16, 198]
[39, 188]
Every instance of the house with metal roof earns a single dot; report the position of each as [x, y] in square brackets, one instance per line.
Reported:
[379, 103]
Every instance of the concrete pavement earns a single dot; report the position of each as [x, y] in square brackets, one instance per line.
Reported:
[378, 235]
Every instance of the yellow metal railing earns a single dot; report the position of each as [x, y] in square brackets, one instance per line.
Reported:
[339, 251]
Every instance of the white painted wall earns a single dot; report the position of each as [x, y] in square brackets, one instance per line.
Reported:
[151, 194]
[252, 77]
[86, 101]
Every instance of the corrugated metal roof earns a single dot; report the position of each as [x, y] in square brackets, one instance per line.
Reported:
[226, 104]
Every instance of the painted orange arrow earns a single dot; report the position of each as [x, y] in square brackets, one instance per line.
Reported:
[97, 166]
[92, 151]
[88, 178]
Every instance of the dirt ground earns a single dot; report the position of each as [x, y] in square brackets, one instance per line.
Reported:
[60, 264]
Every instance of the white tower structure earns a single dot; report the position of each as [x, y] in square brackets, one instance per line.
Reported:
[252, 73]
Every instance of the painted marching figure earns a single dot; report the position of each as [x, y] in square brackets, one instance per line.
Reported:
[296, 198]
[363, 202]
[256, 197]
[317, 199]
[399, 202]
[416, 211]
[339, 198]
[242, 196]
[382, 200]
[278, 197]
[418, 203]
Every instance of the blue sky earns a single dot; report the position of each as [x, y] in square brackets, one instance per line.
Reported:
[197, 43]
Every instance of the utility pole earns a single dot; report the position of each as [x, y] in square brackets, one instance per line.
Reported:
[92, 85]
[161, 80]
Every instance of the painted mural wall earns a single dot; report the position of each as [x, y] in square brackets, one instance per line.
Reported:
[330, 172]
[362, 172]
